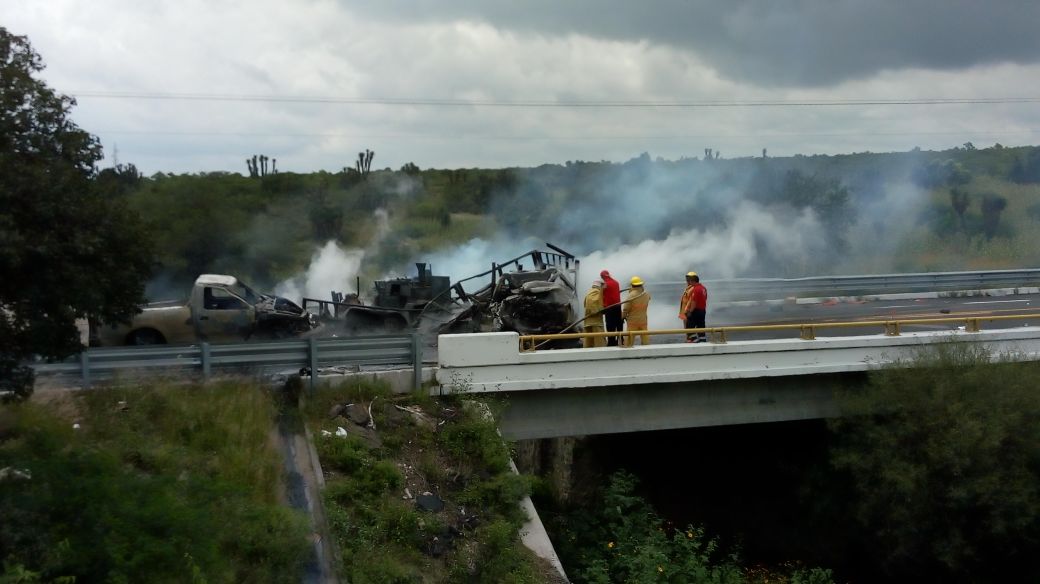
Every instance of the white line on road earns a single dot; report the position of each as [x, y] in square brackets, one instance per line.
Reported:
[902, 306]
[995, 301]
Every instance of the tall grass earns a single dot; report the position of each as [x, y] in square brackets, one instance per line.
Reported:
[159, 484]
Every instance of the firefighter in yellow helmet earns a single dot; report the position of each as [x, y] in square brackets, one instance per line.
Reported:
[594, 316]
[634, 311]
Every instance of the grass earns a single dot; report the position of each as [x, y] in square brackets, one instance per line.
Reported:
[159, 484]
[451, 451]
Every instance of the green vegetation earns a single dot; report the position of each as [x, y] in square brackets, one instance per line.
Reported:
[446, 447]
[68, 247]
[158, 484]
[618, 537]
[944, 461]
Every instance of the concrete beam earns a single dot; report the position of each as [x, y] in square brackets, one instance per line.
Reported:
[665, 406]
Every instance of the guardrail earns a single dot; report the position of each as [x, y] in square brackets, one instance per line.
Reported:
[807, 331]
[761, 288]
[205, 358]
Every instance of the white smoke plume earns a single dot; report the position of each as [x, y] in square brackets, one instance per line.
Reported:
[332, 268]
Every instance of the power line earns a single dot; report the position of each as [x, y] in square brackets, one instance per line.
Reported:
[428, 102]
[560, 138]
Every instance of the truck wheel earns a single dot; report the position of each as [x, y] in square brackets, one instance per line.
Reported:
[146, 337]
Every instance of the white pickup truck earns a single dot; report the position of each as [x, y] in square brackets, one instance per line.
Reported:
[221, 308]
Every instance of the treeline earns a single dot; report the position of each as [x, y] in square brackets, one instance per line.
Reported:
[265, 225]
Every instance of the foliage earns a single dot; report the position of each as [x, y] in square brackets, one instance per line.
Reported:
[620, 538]
[944, 455]
[381, 533]
[168, 484]
[67, 249]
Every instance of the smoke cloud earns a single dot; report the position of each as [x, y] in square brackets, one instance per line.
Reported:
[332, 268]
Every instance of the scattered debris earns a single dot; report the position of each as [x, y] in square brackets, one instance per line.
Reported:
[944, 310]
[326, 433]
[407, 494]
[341, 432]
[357, 414]
[429, 502]
[75, 426]
[10, 473]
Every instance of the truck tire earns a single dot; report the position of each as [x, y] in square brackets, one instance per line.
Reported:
[145, 337]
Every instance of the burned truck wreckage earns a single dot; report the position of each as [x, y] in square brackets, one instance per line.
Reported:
[533, 293]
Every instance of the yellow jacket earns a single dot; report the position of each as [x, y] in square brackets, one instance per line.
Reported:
[634, 308]
[593, 304]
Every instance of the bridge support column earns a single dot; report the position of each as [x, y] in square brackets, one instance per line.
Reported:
[549, 458]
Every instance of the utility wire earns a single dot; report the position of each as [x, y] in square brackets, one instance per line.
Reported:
[393, 101]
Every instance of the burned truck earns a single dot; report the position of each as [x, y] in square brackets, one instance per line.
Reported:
[220, 308]
[531, 293]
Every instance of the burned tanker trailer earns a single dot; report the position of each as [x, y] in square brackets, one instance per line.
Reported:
[533, 293]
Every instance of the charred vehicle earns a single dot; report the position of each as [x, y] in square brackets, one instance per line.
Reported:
[531, 293]
[220, 308]
[539, 297]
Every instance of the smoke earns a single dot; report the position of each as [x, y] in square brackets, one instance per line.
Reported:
[719, 253]
[332, 268]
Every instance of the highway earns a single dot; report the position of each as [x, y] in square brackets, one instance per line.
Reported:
[664, 313]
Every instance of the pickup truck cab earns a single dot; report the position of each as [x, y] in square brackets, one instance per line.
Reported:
[220, 309]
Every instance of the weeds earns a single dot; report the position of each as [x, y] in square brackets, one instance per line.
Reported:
[167, 484]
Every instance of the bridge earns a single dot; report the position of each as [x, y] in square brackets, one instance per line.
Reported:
[577, 392]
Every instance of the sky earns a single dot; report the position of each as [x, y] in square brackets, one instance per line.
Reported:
[200, 85]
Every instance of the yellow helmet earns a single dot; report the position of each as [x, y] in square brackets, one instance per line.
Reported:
[691, 274]
[637, 281]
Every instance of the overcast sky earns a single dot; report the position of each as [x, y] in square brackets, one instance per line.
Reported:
[487, 83]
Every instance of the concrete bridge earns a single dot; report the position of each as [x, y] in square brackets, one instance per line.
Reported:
[580, 392]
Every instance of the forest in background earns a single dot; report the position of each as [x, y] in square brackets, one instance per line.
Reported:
[966, 208]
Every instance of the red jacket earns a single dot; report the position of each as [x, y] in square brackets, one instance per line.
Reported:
[700, 296]
[611, 291]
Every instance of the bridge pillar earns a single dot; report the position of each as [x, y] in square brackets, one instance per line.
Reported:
[551, 459]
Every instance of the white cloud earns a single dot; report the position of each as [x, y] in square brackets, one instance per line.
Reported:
[324, 49]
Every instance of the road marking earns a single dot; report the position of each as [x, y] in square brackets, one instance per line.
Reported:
[995, 301]
[902, 306]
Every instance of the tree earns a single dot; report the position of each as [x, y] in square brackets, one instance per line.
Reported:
[992, 206]
[67, 250]
[944, 458]
[959, 201]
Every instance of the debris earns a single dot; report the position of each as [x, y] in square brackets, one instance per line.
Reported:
[371, 421]
[407, 494]
[341, 432]
[326, 433]
[961, 328]
[356, 414]
[12, 473]
[75, 426]
[337, 410]
[944, 310]
[429, 502]
[121, 406]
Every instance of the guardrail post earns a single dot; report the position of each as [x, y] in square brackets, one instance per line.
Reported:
[204, 357]
[892, 329]
[808, 333]
[84, 364]
[417, 350]
[312, 353]
[972, 325]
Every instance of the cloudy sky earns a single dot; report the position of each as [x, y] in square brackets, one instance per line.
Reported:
[197, 85]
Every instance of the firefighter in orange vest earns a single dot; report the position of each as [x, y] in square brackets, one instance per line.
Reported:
[634, 311]
[594, 316]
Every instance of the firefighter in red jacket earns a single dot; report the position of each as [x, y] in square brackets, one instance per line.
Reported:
[694, 307]
[612, 302]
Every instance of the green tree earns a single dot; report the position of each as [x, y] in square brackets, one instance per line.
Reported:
[66, 249]
[992, 207]
[945, 456]
[959, 201]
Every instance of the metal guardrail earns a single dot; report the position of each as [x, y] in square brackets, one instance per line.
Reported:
[205, 358]
[807, 331]
[774, 288]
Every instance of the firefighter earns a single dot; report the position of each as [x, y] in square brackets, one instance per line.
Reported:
[634, 310]
[694, 307]
[612, 303]
[594, 324]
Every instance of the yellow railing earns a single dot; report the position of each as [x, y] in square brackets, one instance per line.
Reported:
[807, 331]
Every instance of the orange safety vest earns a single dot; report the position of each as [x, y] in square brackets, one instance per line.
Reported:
[686, 304]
